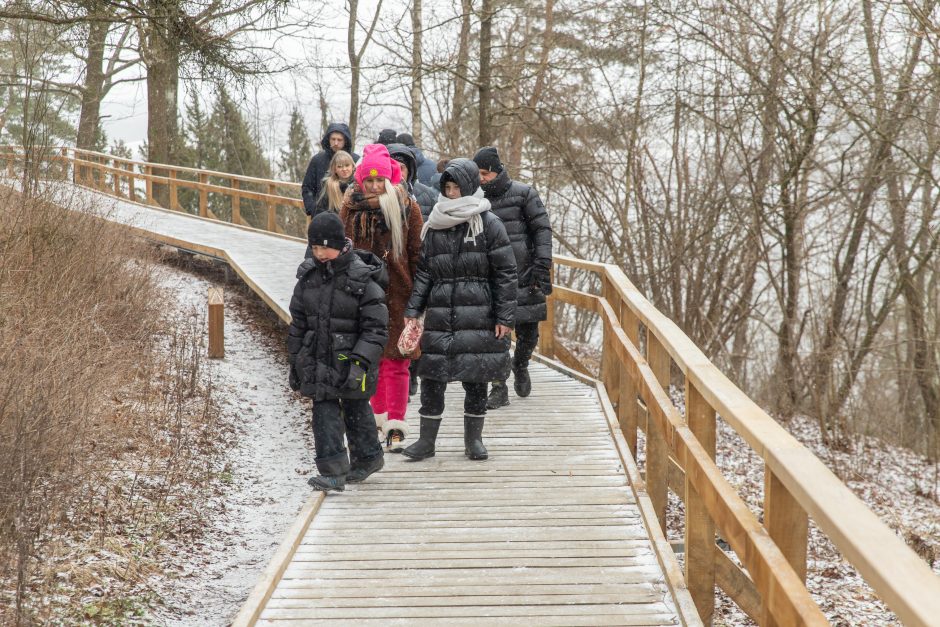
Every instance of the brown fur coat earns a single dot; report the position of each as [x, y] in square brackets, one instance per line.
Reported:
[365, 226]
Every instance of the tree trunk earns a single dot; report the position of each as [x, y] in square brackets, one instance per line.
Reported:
[416, 71]
[453, 143]
[517, 137]
[485, 92]
[163, 64]
[89, 118]
[353, 68]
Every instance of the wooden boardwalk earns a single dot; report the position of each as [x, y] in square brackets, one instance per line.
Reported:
[547, 531]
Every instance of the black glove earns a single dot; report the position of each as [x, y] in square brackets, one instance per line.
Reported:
[294, 379]
[542, 278]
[357, 376]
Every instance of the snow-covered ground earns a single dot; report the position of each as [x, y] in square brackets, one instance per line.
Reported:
[264, 485]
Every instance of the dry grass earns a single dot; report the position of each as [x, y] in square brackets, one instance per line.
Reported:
[107, 426]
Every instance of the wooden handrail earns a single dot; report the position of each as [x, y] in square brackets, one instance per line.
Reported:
[95, 168]
[798, 484]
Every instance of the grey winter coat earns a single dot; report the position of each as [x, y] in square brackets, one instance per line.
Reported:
[526, 221]
[338, 316]
[465, 289]
[426, 167]
[320, 164]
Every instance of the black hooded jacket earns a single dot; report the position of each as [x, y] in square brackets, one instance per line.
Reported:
[519, 207]
[320, 164]
[338, 314]
[425, 196]
[465, 289]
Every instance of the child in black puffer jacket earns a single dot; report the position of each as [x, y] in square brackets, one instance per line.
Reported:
[338, 330]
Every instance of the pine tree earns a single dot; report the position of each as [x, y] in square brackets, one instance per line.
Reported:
[294, 158]
[231, 145]
[195, 135]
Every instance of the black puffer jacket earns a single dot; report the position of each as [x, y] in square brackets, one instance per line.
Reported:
[320, 164]
[338, 315]
[465, 289]
[519, 207]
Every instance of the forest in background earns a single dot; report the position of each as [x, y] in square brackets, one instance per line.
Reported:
[765, 172]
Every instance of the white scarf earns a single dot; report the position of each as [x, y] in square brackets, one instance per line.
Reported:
[449, 213]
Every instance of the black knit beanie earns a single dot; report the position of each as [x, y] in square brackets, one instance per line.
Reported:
[326, 229]
[406, 139]
[487, 158]
[386, 136]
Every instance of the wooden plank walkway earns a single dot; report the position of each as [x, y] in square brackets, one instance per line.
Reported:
[547, 531]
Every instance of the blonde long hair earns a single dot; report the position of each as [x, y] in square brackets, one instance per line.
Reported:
[394, 218]
[331, 187]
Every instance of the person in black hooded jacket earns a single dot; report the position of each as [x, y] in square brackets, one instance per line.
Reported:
[519, 207]
[338, 330]
[425, 196]
[337, 137]
[466, 287]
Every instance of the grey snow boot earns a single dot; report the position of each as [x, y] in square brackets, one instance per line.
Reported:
[521, 382]
[473, 437]
[424, 447]
[328, 484]
[360, 472]
[499, 395]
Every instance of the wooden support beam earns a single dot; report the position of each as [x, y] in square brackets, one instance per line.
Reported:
[657, 453]
[149, 171]
[547, 327]
[131, 180]
[628, 408]
[116, 178]
[203, 196]
[174, 201]
[736, 584]
[216, 323]
[272, 209]
[788, 526]
[699, 527]
[236, 201]
[610, 365]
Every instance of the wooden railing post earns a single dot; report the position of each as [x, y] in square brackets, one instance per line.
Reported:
[788, 525]
[699, 527]
[236, 201]
[610, 367]
[203, 195]
[116, 176]
[131, 180]
[174, 202]
[628, 409]
[148, 169]
[547, 327]
[657, 455]
[272, 210]
[216, 323]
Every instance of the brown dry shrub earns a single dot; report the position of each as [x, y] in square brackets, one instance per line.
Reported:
[78, 314]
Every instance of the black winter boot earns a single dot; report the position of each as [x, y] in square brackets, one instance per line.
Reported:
[499, 395]
[328, 484]
[361, 471]
[413, 385]
[424, 447]
[521, 382]
[473, 437]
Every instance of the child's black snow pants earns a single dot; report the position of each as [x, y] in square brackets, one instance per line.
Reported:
[334, 417]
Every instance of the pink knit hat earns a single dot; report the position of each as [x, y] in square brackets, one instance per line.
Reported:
[376, 162]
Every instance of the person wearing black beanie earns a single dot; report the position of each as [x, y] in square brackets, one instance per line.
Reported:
[386, 136]
[326, 229]
[487, 158]
[526, 221]
[338, 330]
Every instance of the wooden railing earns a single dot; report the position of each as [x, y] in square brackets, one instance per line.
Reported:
[275, 205]
[679, 447]
[680, 452]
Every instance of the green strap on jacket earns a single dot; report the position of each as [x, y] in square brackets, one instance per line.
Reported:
[343, 357]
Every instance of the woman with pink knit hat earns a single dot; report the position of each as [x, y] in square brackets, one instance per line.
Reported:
[380, 216]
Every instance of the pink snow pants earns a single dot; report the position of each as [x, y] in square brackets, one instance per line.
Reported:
[391, 392]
